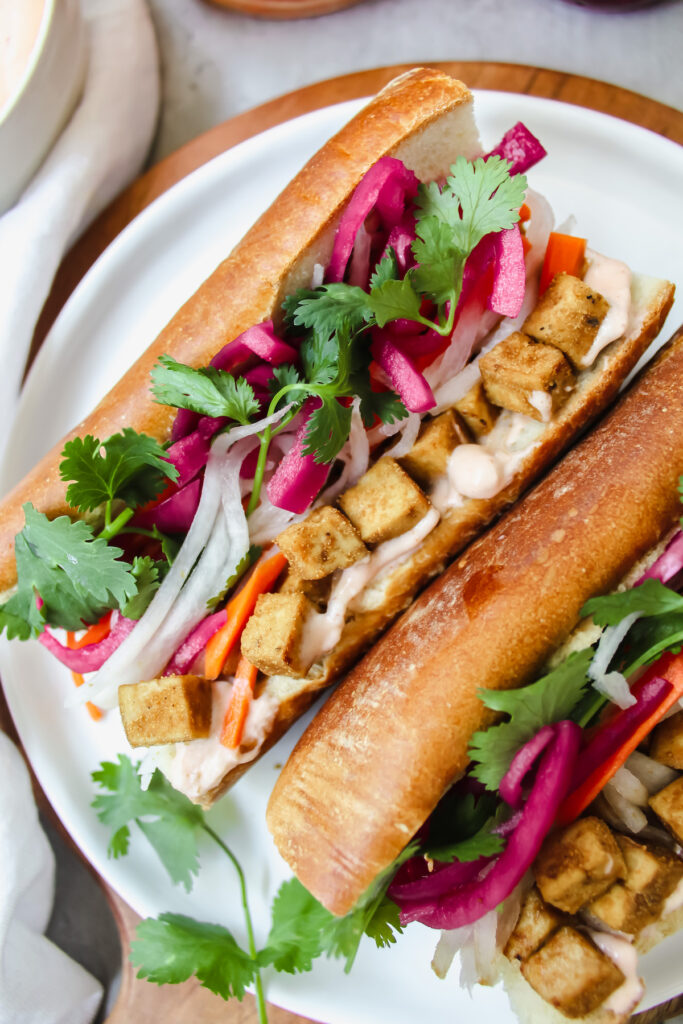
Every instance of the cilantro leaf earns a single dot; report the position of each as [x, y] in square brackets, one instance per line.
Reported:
[77, 576]
[128, 466]
[551, 699]
[207, 391]
[172, 830]
[386, 269]
[395, 300]
[483, 843]
[170, 544]
[285, 375]
[320, 358]
[148, 575]
[650, 598]
[440, 262]
[327, 429]
[171, 948]
[488, 197]
[294, 938]
[323, 309]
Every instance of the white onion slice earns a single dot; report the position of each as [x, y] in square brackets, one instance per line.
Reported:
[653, 775]
[612, 684]
[409, 432]
[448, 945]
[627, 813]
[485, 948]
[631, 788]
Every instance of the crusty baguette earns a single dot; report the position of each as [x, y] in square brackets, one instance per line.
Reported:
[424, 117]
[379, 755]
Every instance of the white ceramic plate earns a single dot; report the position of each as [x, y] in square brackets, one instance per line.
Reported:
[622, 184]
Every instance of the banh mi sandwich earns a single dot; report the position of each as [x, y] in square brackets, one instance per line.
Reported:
[506, 764]
[385, 362]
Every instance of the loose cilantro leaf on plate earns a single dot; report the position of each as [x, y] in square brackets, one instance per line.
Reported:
[650, 598]
[297, 921]
[551, 699]
[207, 391]
[129, 467]
[78, 576]
[171, 948]
[167, 818]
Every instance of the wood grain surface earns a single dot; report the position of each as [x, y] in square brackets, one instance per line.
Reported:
[140, 1002]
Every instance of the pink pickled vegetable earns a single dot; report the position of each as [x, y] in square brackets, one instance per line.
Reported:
[520, 148]
[401, 238]
[612, 734]
[175, 513]
[669, 563]
[385, 187]
[93, 656]
[470, 901]
[509, 278]
[298, 478]
[359, 272]
[406, 379]
[444, 878]
[511, 784]
[192, 646]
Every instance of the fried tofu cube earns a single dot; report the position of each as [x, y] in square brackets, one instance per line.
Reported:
[317, 591]
[384, 503]
[323, 542]
[536, 922]
[476, 410]
[568, 316]
[578, 863]
[667, 742]
[620, 910]
[652, 874]
[427, 460]
[526, 376]
[668, 806]
[272, 636]
[572, 974]
[173, 709]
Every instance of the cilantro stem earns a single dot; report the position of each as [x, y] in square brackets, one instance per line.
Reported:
[260, 999]
[112, 527]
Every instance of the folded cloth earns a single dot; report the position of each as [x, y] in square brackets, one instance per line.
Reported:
[38, 983]
[99, 151]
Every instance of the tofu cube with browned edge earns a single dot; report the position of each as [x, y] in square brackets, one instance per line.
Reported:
[668, 806]
[317, 591]
[572, 974]
[578, 863]
[272, 636]
[173, 709]
[524, 376]
[536, 922]
[652, 874]
[568, 316]
[427, 460]
[477, 412]
[323, 542]
[666, 745]
[384, 503]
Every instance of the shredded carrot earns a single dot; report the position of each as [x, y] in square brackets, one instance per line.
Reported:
[92, 635]
[564, 253]
[670, 667]
[261, 580]
[524, 212]
[239, 704]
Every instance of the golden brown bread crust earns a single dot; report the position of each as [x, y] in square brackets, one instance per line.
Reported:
[379, 755]
[249, 285]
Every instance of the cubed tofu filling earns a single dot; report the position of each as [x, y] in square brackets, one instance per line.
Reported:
[385, 502]
[578, 863]
[668, 806]
[324, 542]
[527, 376]
[666, 745]
[172, 709]
[572, 974]
[568, 317]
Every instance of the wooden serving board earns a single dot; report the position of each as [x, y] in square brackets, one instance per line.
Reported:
[139, 1001]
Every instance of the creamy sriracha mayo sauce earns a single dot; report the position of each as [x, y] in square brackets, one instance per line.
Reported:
[19, 25]
[196, 767]
[623, 955]
[612, 279]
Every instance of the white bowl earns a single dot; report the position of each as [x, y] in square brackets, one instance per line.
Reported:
[46, 87]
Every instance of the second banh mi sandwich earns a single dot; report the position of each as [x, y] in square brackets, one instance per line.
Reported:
[506, 764]
[396, 350]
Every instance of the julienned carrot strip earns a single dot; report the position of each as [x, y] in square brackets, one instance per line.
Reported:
[564, 253]
[98, 632]
[670, 667]
[239, 704]
[261, 580]
[524, 212]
